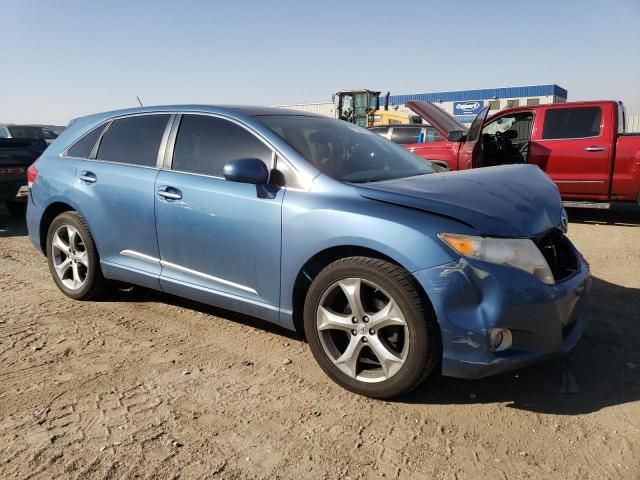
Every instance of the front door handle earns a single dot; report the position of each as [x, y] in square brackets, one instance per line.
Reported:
[170, 193]
[88, 177]
[595, 149]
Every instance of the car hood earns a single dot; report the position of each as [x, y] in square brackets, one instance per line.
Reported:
[436, 117]
[503, 201]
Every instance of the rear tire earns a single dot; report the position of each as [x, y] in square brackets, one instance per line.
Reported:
[73, 258]
[369, 327]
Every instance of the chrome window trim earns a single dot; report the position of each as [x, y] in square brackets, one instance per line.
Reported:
[111, 162]
[171, 142]
[189, 271]
[163, 142]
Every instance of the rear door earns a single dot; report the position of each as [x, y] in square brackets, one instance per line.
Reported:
[470, 155]
[219, 240]
[114, 190]
[573, 145]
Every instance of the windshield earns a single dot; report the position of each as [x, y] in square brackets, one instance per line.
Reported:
[26, 131]
[344, 151]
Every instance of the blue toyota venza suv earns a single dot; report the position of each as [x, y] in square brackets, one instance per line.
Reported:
[393, 272]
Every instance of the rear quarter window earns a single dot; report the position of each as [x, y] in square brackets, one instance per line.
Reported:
[580, 122]
[82, 148]
[133, 140]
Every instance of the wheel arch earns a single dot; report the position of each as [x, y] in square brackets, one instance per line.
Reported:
[322, 259]
[48, 215]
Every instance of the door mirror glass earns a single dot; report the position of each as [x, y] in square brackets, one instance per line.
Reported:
[246, 170]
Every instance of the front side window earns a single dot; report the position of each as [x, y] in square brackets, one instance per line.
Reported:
[205, 144]
[133, 140]
[345, 151]
[405, 136]
[521, 123]
[83, 147]
[579, 122]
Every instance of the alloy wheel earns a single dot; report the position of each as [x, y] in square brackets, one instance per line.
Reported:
[362, 330]
[70, 257]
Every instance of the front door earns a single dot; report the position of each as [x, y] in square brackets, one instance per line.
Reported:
[115, 192]
[219, 240]
[470, 155]
[574, 149]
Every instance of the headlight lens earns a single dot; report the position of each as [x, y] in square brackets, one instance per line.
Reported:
[520, 253]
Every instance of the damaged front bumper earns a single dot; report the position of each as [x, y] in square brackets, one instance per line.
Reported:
[471, 298]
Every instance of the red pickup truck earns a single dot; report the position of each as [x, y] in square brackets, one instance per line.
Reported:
[582, 146]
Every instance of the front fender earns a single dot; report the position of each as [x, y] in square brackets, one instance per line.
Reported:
[312, 223]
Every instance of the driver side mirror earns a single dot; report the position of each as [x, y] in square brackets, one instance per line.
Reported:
[246, 170]
[456, 136]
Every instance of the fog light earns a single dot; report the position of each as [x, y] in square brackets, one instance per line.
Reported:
[500, 339]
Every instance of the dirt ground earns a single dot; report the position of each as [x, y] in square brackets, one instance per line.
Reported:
[144, 385]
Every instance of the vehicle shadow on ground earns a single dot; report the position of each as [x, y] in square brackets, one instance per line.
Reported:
[622, 214]
[603, 370]
[125, 293]
[11, 226]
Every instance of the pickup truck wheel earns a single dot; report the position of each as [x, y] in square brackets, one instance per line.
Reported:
[73, 258]
[369, 329]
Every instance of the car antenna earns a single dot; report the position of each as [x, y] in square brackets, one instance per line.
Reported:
[139, 101]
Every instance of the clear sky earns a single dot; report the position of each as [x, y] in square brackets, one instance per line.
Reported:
[62, 59]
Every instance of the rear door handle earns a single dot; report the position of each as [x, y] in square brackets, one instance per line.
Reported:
[595, 149]
[88, 177]
[170, 193]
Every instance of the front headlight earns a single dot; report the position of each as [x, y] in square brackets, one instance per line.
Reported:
[520, 253]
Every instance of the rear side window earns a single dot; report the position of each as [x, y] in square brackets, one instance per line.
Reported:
[581, 122]
[82, 148]
[405, 136]
[204, 144]
[133, 140]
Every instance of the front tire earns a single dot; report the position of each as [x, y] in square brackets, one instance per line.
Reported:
[73, 258]
[369, 328]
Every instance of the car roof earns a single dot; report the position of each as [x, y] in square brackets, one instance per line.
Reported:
[249, 110]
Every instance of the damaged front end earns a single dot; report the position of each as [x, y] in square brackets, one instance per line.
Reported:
[495, 318]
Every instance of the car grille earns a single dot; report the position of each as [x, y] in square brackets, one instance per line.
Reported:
[559, 253]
